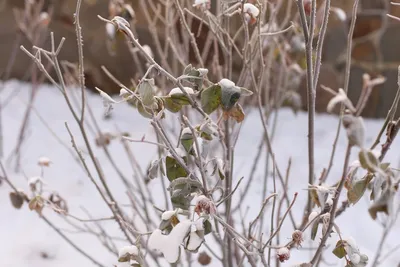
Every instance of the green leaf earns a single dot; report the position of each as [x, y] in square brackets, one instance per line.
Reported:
[358, 189]
[171, 105]
[181, 202]
[187, 139]
[143, 111]
[146, 92]
[368, 160]
[314, 229]
[173, 169]
[211, 98]
[180, 99]
[207, 227]
[339, 250]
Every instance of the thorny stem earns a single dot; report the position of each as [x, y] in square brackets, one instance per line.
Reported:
[81, 73]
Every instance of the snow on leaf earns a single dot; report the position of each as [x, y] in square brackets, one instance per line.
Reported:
[178, 92]
[202, 3]
[44, 161]
[355, 130]
[107, 101]
[126, 253]
[251, 9]
[169, 245]
[226, 84]
[146, 92]
[339, 13]
[167, 214]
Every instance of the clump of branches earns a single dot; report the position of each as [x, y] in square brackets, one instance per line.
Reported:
[248, 51]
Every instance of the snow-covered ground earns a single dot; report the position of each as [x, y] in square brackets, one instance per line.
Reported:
[24, 237]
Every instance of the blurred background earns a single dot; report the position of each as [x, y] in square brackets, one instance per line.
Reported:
[375, 46]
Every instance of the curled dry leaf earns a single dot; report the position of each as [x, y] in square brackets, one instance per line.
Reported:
[37, 204]
[17, 199]
[340, 97]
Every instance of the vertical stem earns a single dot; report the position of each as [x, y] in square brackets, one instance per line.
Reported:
[308, 36]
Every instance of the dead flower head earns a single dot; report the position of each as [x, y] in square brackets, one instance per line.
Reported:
[205, 205]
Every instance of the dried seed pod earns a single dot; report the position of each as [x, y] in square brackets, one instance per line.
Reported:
[283, 254]
[204, 259]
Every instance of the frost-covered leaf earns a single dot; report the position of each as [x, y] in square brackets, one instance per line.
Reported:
[230, 94]
[173, 169]
[245, 91]
[179, 97]
[144, 111]
[197, 74]
[211, 98]
[108, 101]
[187, 139]
[320, 194]
[355, 130]
[358, 189]
[146, 92]
[171, 105]
[154, 167]
[340, 97]
[219, 167]
[368, 160]
[208, 130]
[383, 204]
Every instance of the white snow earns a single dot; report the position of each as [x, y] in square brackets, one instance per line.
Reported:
[128, 250]
[201, 3]
[44, 161]
[25, 237]
[169, 245]
[177, 91]
[167, 215]
[226, 83]
[251, 9]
